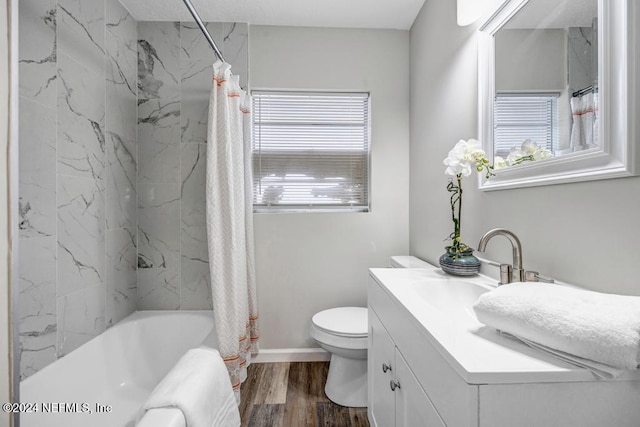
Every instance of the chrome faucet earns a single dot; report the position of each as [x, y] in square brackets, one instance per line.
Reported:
[508, 273]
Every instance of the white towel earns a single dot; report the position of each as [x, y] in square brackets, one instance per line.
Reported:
[601, 327]
[600, 370]
[199, 386]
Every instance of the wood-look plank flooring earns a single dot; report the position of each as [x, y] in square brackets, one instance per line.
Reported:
[292, 395]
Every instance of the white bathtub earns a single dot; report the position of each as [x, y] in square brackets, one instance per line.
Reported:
[118, 368]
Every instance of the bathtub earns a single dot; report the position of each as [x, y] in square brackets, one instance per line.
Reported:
[105, 381]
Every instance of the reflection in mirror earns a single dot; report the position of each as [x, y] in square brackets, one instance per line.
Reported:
[546, 82]
[569, 109]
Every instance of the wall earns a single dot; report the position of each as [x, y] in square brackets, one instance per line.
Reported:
[77, 174]
[583, 233]
[531, 60]
[536, 60]
[307, 262]
[174, 68]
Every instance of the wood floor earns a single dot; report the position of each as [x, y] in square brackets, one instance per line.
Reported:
[292, 395]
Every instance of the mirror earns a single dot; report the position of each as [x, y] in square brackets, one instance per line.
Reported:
[546, 82]
[553, 108]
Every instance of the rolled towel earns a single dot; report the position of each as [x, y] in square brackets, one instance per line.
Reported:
[591, 325]
[199, 386]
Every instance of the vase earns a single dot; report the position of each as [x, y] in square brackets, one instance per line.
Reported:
[461, 263]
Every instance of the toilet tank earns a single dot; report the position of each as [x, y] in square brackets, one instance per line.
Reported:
[408, 262]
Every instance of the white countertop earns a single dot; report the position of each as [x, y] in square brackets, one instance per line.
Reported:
[441, 305]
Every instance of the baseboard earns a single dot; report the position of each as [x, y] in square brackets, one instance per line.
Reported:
[272, 355]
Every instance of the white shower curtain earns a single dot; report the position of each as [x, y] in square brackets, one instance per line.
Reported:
[230, 223]
[584, 131]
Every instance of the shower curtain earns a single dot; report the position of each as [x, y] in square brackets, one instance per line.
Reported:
[584, 131]
[230, 223]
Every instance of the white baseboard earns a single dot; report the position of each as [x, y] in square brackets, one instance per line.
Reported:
[272, 355]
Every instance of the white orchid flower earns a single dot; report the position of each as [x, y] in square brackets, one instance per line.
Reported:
[529, 147]
[464, 158]
[542, 154]
[499, 162]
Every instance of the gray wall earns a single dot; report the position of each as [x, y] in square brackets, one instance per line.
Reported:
[77, 174]
[531, 60]
[307, 262]
[582, 233]
[174, 69]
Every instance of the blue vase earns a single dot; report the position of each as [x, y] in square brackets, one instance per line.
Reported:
[461, 263]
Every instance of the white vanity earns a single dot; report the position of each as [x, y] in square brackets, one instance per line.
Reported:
[431, 363]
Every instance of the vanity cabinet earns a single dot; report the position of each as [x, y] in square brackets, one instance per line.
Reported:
[430, 365]
[426, 380]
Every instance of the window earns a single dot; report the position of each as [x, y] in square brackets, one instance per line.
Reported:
[310, 151]
[525, 116]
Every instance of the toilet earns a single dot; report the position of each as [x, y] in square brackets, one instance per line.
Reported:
[344, 332]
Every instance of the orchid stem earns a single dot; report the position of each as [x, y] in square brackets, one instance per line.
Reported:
[459, 225]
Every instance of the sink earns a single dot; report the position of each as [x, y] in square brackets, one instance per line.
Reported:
[449, 294]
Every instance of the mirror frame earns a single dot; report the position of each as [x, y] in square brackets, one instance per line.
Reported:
[619, 97]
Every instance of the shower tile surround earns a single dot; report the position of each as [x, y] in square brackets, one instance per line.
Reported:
[174, 82]
[77, 189]
[111, 169]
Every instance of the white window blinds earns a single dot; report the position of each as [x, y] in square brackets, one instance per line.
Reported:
[310, 150]
[525, 116]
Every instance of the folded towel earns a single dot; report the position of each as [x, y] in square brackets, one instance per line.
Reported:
[199, 386]
[601, 327]
[600, 370]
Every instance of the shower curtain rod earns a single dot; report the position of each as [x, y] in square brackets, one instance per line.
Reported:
[195, 15]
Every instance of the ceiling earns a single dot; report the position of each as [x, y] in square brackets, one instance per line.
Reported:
[389, 14]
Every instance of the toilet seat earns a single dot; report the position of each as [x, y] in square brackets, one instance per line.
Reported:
[348, 322]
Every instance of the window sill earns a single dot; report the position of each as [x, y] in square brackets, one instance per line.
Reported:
[274, 210]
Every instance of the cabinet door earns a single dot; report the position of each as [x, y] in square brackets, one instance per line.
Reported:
[413, 407]
[380, 373]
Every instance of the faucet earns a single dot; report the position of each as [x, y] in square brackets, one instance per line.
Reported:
[508, 273]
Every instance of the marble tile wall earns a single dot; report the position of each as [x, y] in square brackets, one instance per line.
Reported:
[113, 117]
[77, 190]
[581, 50]
[174, 82]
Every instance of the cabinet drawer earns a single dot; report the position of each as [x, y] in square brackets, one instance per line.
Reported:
[454, 399]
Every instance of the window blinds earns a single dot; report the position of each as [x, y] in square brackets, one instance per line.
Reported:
[310, 150]
[525, 116]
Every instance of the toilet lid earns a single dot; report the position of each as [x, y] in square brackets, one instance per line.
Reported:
[344, 321]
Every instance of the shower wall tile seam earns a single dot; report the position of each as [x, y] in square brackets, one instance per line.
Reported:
[106, 116]
[57, 137]
[119, 294]
[106, 190]
[36, 101]
[137, 142]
